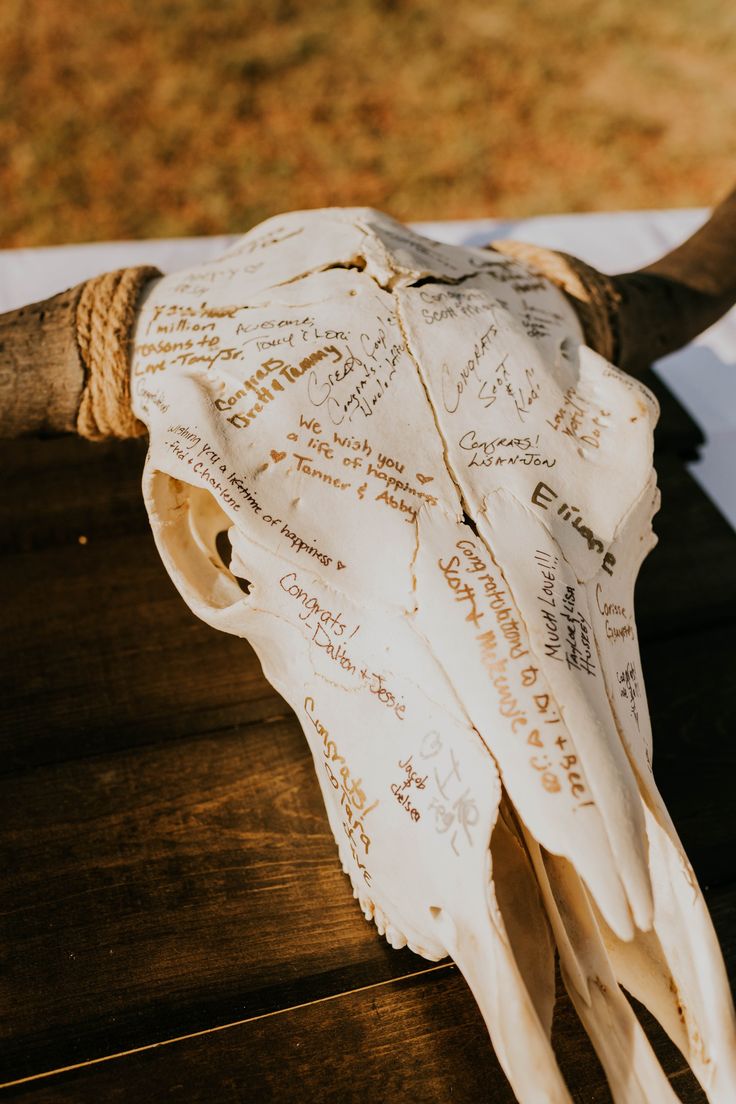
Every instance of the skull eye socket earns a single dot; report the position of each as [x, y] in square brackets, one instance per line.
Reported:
[192, 533]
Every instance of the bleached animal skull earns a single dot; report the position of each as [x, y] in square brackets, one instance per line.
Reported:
[440, 498]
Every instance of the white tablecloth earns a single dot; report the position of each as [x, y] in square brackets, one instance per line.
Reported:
[702, 376]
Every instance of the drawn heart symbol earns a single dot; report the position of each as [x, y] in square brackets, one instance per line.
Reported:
[277, 456]
[424, 478]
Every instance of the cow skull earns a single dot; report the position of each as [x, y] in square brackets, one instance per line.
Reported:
[436, 500]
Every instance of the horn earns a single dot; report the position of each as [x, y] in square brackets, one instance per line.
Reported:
[65, 362]
[634, 318]
[668, 303]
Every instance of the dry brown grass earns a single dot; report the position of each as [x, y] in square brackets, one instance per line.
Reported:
[144, 118]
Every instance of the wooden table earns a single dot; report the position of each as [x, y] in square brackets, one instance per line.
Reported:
[175, 923]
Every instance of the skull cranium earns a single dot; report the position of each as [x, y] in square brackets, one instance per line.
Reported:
[437, 500]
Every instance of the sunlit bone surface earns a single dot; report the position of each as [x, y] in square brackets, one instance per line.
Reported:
[439, 499]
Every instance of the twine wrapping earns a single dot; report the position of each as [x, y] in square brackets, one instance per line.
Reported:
[593, 295]
[104, 326]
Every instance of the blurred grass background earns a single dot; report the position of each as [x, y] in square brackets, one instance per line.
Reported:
[148, 118]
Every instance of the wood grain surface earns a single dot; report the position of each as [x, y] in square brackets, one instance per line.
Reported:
[175, 923]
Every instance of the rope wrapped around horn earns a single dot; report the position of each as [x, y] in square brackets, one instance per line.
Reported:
[65, 362]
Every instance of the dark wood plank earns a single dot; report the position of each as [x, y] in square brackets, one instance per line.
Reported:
[690, 687]
[173, 887]
[101, 652]
[56, 490]
[83, 674]
[688, 581]
[419, 1039]
[159, 890]
[170, 888]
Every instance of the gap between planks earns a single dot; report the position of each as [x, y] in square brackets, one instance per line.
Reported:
[225, 1026]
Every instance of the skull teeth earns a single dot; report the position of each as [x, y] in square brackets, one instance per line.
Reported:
[391, 932]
